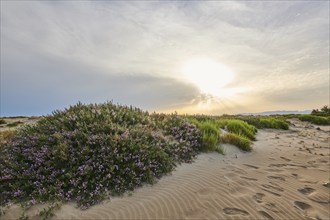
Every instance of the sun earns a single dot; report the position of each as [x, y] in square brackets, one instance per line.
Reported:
[209, 76]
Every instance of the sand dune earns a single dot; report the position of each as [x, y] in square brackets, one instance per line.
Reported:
[285, 177]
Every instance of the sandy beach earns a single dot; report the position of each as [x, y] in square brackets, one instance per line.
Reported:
[286, 176]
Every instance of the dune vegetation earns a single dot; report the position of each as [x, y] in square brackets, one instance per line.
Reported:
[210, 135]
[324, 111]
[261, 122]
[315, 119]
[238, 140]
[6, 136]
[241, 128]
[87, 153]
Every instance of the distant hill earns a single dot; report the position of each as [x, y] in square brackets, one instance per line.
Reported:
[282, 112]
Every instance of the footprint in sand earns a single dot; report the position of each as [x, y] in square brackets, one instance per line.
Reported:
[322, 161]
[251, 166]
[326, 184]
[272, 207]
[276, 177]
[289, 165]
[258, 197]
[306, 190]
[235, 211]
[271, 192]
[238, 170]
[273, 187]
[302, 205]
[248, 178]
[308, 181]
[266, 215]
[276, 165]
[286, 159]
[274, 170]
[322, 198]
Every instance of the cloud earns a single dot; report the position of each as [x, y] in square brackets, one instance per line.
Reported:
[41, 84]
[95, 51]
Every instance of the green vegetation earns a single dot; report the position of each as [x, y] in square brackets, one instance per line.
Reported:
[266, 122]
[6, 136]
[210, 129]
[324, 111]
[2, 121]
[318, 120]
[238, 140]
[48, 212]
[14, 124]
[210, 135]
[88, 152]
[240, 133]
[242, 128]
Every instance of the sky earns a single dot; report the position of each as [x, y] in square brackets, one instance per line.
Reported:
[195, 57]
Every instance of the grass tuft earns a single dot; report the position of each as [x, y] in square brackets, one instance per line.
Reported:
[238, 140]
[6, 136]
[14, 124]
[210, 135]
[314, 119]
[266, 122]
[242, 128]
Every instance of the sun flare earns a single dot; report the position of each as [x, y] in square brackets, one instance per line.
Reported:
[209, 76]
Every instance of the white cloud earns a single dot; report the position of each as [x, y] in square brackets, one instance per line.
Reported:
[271, 46]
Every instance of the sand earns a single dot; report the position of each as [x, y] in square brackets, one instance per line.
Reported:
[284, 177]
[22, 120]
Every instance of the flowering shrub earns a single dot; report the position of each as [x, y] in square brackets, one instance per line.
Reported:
[87, 152]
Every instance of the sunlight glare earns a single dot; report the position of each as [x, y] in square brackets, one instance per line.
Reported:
[209, 76]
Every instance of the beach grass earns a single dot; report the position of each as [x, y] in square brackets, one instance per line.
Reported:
[210, 135]
[241, 128]
[314, 119]
[240, 141]
[261, 122]
[6, 136]
[14, 124]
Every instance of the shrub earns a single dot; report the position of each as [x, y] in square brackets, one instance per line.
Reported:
[222, 123]
[220, 149]
[210, 135]
[266, 122]
[241, 128]
[6, 136]
[274, 123]
[2, 121]
[240, 141]
[14, 124]
[318, 120]
[325, 111]
[86, 152]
